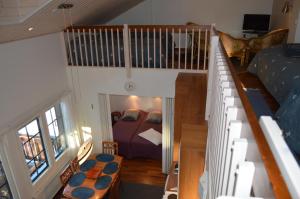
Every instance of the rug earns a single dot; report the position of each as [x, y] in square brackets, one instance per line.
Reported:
[140, 191]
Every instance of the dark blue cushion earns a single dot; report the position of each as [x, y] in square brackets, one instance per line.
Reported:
[87, 165]
[77, 179]
[83, 192]
[288, 118]
[105, 157]
[103, 182]
[110, 168]
[258, 103]
[278, 73]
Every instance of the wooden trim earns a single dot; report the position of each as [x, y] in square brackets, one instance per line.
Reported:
[278, 184]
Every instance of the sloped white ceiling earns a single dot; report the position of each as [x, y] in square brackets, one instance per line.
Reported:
[16, 16]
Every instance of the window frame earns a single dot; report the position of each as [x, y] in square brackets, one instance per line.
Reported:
[5, 181]
[44, 146]
[61, 129]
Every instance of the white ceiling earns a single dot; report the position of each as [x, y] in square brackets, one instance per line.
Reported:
[16, 16]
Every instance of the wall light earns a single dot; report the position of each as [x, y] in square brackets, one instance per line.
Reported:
[30, 29]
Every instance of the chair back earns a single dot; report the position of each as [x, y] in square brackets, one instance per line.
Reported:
[273, 38]
[66, 175]
[234, 47]
[75, 165]
[109, 147]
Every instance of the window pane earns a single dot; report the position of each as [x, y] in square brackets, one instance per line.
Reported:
[33, 148]
[56, 129]
[32, 128]
[51, 130]
[48, 117]
[22, 131]
[53, 113]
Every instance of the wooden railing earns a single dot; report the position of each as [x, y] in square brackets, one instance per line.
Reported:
[184, 47]
[239, 161]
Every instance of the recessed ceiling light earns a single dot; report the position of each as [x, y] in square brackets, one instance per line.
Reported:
[30, 29]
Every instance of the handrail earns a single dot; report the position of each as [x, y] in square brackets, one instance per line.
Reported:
[279, 186]
[176, 28]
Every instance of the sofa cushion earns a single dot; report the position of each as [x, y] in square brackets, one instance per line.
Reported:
[287, 118]
[278, 73]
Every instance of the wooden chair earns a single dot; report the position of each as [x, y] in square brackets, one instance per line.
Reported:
[235, 47]
[272, 38]
[109, 147]
[75, 165]
[66, 175]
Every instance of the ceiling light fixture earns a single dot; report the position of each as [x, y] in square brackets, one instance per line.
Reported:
[30, 29]
[65, 6]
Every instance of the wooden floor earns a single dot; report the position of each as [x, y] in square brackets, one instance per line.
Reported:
[144, 171]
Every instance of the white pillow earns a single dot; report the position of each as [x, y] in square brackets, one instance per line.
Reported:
[152, 136]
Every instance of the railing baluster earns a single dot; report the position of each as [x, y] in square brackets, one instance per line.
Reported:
[167, 48]
[199, 45]
[113, 47]
[179, 48]
[107, 48]
[85, 48]
[173, 47]
[69, 46]
[142, 46]
[136, 49]
[96, 47]
[119, 53]
[154, 48]
[101, 46]
[130, 47]
[75, 47]
[205, 50]
[186, 46]
[91, 46]
[192, 49]
[148, 51]
[160, 51]
[80, 47]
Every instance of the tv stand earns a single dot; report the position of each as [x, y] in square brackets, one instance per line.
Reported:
[253, 33]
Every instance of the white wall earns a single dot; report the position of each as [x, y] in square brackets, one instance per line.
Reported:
[289, 20]
[226, 14]
[32, 75]
[92, 81]
[123, 102]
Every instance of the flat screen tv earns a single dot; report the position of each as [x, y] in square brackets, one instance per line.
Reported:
[256, 22]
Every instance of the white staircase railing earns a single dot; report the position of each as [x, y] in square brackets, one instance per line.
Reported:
[183, 47]
[233, 161]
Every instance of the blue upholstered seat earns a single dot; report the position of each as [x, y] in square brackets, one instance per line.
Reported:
[288, 118]
[258, 103]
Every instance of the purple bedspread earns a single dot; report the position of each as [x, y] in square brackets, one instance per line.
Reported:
[140, 147]
[123, 132]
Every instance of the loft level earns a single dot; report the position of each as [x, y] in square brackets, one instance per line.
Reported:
[182, 47]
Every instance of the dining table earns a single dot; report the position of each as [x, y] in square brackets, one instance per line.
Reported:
[95, 177]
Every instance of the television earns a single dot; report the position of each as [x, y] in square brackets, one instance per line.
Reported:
[256, 23]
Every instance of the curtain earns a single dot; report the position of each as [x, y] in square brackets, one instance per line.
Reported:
[168, 133]
[105, 118]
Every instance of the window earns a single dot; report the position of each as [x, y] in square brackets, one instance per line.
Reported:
[56, 130]
[5, 192]
[33, 148]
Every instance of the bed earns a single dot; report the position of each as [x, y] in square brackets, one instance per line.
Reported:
[123, 132]
[131, 145]
[141, 147]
